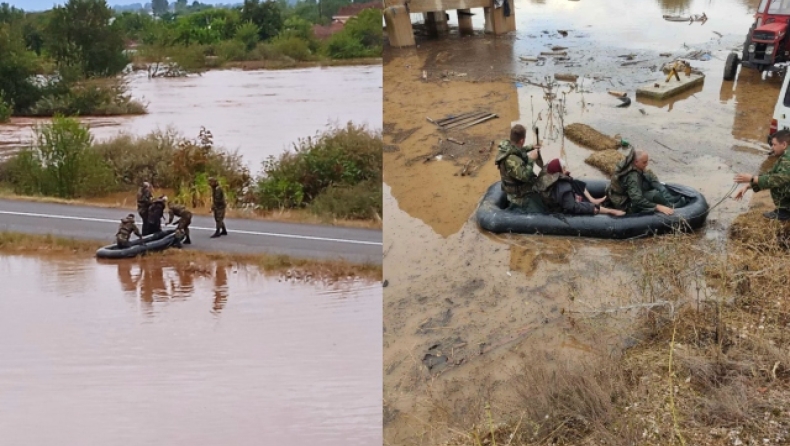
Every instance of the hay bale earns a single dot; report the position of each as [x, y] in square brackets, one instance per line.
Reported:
[605, 161]
[586, 136]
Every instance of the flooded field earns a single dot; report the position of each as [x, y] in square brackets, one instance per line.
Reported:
[466, 309]
[138, 353]
[260, 113]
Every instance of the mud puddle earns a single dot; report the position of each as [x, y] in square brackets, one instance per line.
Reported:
[138, 352]
[469, 308]
[260, 113]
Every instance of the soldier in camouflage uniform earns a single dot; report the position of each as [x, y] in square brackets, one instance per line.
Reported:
[184, 220]
[634, 189]
[777, 179]
[155, 214]
[516, 164]
[218, 207]
[144, 199]
[125, 231]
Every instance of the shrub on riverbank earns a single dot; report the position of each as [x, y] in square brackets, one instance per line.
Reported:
[337, 173]
[65, 162]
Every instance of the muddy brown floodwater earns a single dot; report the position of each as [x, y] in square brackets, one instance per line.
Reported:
[464, 309]
[139, 353]
[260, 113]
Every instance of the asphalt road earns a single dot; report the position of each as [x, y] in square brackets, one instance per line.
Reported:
[244, 235]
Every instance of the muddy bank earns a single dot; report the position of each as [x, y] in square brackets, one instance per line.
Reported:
[259, 113]
[466, 310]
[201, 355]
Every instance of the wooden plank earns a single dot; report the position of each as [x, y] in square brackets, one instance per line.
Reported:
[461, 122]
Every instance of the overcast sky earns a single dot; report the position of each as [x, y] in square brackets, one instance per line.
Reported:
[39, 5]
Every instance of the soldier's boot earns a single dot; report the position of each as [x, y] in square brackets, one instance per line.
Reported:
[216, 234]
[224, 231]
[778, 214]
[187, 241]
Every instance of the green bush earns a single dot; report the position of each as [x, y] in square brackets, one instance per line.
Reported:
[230, 50]
[6, 109]
[359, 202]
[61, 163]
[104, 97]
[338, 157]
[344, 46]
[293, 47]
[247, 34]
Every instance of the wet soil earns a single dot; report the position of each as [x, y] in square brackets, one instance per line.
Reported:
[467, 307]
[144, 352]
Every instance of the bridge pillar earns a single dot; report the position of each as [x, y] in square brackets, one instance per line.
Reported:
[399, 30]
[465, 21]
[436, 21]
[497, 23]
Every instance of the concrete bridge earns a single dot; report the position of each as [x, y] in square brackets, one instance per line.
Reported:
[399, 27]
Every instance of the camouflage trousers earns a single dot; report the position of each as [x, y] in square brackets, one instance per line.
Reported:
[219, 218]
[183, 225]
[530, 203]
[663, 196]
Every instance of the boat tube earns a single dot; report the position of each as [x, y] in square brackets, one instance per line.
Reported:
[150, 243]
[492, 215]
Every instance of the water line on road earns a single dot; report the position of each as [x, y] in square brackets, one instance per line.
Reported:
[268, 234]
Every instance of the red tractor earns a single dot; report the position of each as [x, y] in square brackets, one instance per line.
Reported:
[767, 43]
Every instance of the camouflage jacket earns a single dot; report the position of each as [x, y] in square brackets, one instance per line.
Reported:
[516, 169]
[144, 200]
[217, 199]
[557, 195]
[178, 210]
[626, 190]
[778, 181]
[126, 229]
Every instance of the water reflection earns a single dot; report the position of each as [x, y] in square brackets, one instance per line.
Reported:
[287, 363]
[220, 288]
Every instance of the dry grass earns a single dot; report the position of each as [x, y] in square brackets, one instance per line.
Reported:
[14, 242]
[285, 215]
[605, 160]
[586, 136]
[711, 366]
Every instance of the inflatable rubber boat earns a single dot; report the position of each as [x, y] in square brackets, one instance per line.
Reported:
[493, 216]
[150, 243]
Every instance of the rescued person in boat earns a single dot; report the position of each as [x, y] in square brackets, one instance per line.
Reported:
[777, 179]
[156, 213]
[516, 164]
[144, 199]
[563, 194]
[125, 231]
[184, 220]
[634, 189]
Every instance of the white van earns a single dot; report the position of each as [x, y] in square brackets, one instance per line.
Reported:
[781, 119]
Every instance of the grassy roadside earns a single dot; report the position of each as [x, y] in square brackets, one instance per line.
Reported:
[19, 243]
[128, 203]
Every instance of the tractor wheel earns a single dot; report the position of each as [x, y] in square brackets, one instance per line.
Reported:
[731, 67]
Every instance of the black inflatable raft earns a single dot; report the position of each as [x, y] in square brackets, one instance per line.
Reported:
[150, 243]
[493, 216]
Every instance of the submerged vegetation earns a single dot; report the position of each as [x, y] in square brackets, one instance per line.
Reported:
[336, 174]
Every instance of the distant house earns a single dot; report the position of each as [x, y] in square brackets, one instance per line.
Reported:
[348, 11]
[341, 17]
